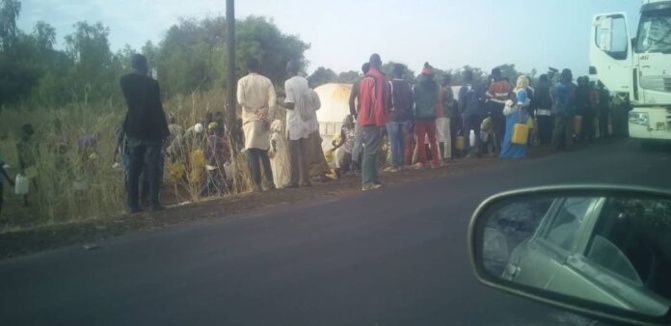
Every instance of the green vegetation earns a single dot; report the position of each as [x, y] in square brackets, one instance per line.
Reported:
[76, 82]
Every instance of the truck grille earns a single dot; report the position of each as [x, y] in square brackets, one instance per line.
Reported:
[656, 83]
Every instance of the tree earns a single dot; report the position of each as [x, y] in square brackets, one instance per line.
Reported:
[322, 76]
[9, 13]
[509, 71]
[388, 71]
[45, 36]
[348, 77]
[260, 38]
[92, 75]
[192, 55]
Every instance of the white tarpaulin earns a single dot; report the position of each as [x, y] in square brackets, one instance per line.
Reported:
[335, 107]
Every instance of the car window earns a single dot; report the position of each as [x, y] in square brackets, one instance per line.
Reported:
[638, 231]
[609, 256]
[567, 220]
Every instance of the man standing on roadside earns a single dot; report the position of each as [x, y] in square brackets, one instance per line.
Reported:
[604, 109]
[354, 106]
[400, 113]
[256, 95]
[427, 94]
[470, 106]
[373, 101]
[443, 132]
[147, 130]
[497, 94]
[297, 129]
[563, 111]
[3, 176]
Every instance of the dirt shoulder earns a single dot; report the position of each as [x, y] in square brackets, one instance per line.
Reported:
[25, 241]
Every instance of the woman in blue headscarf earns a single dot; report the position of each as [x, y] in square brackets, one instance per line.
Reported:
[516, 112]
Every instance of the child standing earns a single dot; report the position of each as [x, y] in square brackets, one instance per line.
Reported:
[3, 176]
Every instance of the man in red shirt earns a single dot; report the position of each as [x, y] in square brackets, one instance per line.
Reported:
[373, 101]
[497, 94]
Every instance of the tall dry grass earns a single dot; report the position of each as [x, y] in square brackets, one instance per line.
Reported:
[77, 185]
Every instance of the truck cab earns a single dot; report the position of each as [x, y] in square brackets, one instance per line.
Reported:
[638, 67]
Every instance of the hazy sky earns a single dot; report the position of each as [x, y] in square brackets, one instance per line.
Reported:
[343, 33]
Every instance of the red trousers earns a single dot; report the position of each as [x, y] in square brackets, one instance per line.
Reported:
[409, 147]
[424, 128]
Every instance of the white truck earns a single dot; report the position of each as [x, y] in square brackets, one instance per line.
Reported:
[638, 68]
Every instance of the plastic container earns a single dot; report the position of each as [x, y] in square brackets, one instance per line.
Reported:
[577, 125]
[471, 138]
[21, 185]
[460, 144]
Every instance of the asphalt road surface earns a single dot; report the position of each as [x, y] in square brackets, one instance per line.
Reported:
[396, 256]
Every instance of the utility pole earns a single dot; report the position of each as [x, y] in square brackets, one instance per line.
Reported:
[231, 99]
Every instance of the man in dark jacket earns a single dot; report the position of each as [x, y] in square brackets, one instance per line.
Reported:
[146, 128]
[471, 107]
[542, 106]
[563, 111]
[583, 105]
[427, 96]
[399, 116]
[604, 109]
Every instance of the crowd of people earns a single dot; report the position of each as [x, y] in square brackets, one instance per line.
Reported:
[424, 126]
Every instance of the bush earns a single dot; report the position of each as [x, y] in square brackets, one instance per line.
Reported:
[77, 185]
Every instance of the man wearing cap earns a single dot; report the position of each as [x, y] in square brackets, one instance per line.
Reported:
[146, 127]
[256, 95]
[427, 102]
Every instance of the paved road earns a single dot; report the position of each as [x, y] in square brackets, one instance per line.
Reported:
[396, 256]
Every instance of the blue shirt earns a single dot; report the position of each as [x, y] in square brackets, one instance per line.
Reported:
[563, 104]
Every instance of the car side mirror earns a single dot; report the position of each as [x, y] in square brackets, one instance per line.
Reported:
[599, 251]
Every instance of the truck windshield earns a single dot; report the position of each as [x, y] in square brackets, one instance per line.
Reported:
[654, 32]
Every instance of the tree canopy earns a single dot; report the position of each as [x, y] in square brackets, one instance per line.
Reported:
[190, 57]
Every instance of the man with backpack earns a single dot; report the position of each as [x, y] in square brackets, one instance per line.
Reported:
[400, 111]
[373, 101]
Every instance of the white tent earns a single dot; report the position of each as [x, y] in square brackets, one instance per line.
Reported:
[334, 109]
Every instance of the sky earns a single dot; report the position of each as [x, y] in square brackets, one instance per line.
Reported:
[343, 34]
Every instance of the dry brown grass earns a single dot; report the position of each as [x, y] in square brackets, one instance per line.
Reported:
[57, 198]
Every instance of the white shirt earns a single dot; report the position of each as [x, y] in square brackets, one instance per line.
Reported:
[298, 93]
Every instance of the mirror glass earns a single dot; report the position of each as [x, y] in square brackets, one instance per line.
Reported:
[608, 249]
